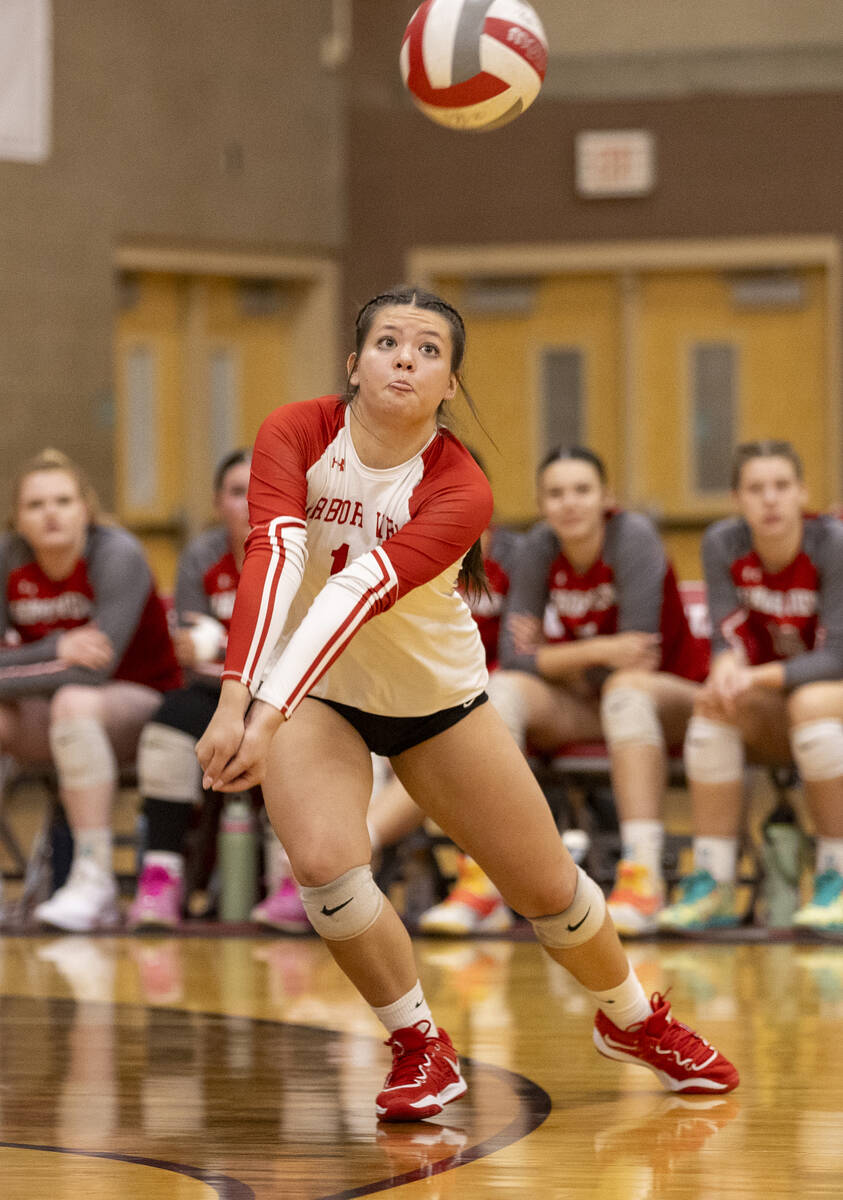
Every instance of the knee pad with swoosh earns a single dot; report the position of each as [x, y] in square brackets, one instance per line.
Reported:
[580, 922]
[346, 907]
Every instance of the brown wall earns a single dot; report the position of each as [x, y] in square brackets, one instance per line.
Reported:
[174, 122]
[728, 165]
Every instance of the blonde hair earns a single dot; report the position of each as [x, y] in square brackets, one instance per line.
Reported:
[50, 459]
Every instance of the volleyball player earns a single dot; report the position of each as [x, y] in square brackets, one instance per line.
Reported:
[348, 636]
[89, 658]
[774, 578]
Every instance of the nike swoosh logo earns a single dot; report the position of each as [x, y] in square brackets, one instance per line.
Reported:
[418, 1004]
[329, 912]
[574, 928]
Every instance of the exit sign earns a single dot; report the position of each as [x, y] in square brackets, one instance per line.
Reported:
[615, 162]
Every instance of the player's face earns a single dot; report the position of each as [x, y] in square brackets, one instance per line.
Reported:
[232, 506]
[572, 499]
[404, 369]
[770, 496]
[51, 513]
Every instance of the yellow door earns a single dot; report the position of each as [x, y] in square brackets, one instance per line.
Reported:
[525, 340]
[720, 358]
[200, 361]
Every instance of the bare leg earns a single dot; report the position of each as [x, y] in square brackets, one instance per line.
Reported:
[817, 702]
[477, 786]
[639, 769]
[761, 719]
[393, 813]
[317, 789]
[122, 709]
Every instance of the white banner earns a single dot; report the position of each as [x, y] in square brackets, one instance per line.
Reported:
[25, 79]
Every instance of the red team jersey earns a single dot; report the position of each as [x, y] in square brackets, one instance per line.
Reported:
[348, 589]
[487, 607]
[110, 585]
[630, 587]
[793, 615]
[206, 583]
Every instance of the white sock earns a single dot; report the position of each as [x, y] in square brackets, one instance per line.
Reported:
[829, 855]
[642, 841]
[624, 1005]
[168, 859]
[718, 856]
[94, 844]
[409, 1010]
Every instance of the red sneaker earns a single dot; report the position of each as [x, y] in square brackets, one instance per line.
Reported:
[425, 1075]
[683, 1061]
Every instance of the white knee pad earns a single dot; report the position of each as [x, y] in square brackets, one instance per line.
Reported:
[580, 922]
[818, 749]
[506, 695]
[629, 715]
[83, 755]
[714, 752]
[345, 908]
[167, 765]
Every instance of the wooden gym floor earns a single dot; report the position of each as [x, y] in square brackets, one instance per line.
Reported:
[242, 1067]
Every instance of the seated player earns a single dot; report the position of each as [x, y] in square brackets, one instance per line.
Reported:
[774, 577]
[87, 656]
[168, 774]
[596, 645]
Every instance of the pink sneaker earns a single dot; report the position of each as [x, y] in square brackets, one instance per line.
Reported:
[283, 910]
[158, 903]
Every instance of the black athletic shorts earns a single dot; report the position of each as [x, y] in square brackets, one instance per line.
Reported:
[393, 735]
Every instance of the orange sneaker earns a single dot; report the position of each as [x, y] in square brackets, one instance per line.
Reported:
[636, 899]
[474, 906]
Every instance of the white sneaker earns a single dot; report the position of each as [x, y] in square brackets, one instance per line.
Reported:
[88, 901]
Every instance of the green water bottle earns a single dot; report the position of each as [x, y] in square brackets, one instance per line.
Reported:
[237, 853]
[783, 854]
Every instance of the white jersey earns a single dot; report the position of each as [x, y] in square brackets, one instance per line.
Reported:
[348, 590]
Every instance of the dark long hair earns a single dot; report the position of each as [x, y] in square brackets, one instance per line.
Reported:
[472, 576]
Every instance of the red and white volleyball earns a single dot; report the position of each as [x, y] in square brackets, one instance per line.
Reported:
[473, 64]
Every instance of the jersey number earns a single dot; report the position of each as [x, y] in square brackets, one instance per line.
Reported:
[340, 557]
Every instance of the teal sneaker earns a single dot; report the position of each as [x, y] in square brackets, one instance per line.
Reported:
[701, 903]
[824, 911]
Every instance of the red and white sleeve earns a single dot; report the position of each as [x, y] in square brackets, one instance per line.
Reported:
[289, 441]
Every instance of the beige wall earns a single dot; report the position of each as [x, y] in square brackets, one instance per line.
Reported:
[658, 26]
[189, 122]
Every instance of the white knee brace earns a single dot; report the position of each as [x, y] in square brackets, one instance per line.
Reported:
[83, 755]
[629, 715]
[345, 908]
[818, 749]
[580, 922]
[714, 752]
[167, 765]
[505, 694]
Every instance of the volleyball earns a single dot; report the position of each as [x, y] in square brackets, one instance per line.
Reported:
[473, 64]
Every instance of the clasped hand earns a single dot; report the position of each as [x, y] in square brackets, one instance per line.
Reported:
[233, 750]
